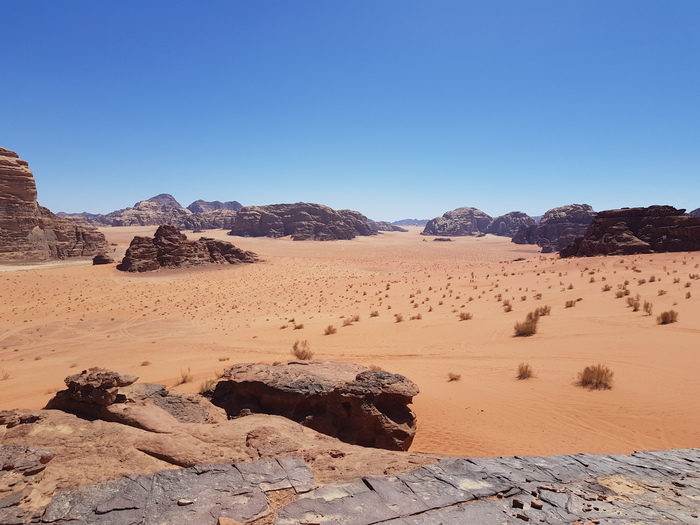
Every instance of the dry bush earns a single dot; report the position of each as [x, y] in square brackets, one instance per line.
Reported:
[641, 281]
[224, 358]
[355, 318]
[145, 363]
[687, 295]
[398, 318]
[652, 279]
[668, 317]
[597, 377]
[185, 377]
[543, 310]
[299, 326]
[374, 313]
[330, 330]
[607, 288]
[525, 329]
[634, 303]
[206, 388]
[453, 377]
[4, 375]
[347, 321]
[538, 296]
[570, 304]
[524, 371]
[662, 292]
[648, 307]
[465, 316]
[416, 317]
[375, 368]
[302, 350]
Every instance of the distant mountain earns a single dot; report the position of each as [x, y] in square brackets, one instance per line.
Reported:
[383, 226]
[411, 222]
[695, 213]
[201, 206]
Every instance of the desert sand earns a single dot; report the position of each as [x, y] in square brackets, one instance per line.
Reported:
[58, 319]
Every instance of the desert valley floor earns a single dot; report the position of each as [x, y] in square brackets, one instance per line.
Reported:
[58, 319]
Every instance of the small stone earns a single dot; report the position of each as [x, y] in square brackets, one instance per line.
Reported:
[536, 504]
[523, 517]
[517, 504]
[184, 502]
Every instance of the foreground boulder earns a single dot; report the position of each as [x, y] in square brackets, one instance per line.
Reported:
[508, 225]
[170, 249]
[558, 227]
[31, 232]
[638, 230]
[302, 221]
[339, 399]
[462, 221]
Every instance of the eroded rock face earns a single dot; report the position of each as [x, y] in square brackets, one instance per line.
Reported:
[383, 226]
[638, 230]
[170, 249]
[339, 399]
[695, 213]
[303, 221]
[462, 221]
[31, 232]
[201, 206]
[508, 225]
[558, 227]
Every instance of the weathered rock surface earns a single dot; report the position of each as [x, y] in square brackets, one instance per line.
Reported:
[201, 206]
[101, 259]
[170, 249]
[302, 221]
[31, 232]
[638, 230]
[383, 226]
[508, 225]
[411, 222]
[339, 399]
[558, 227]
[695, 213]
[462, 221]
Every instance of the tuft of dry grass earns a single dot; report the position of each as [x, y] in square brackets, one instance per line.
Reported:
[453, 377]
[299, 326]
[145, 363]
[524, 371]
[648, 307]
[185, 377]
[398, 318]
[4, 375]
[668, 317]
[375, 368]
[206, 388]
[302, 350]
[374, 313]
[465, 316]
[525, 329]
[330, 330]
[570, 304]
[597, 377]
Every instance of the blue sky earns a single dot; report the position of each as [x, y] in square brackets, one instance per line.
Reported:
[395, 108]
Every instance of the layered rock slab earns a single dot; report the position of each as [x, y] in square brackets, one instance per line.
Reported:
[628, 231]
[459, 222]
[31, 232]
[339, 399]
[301, 221]
[169, 248]
[558, 227]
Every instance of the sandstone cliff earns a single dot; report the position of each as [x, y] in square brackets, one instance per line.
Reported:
[201, 206]
[383, 226]
[558, 227]
[638, 230]
[303, 221]
[508, 225]
[695, 213]
[31, 232]
[170, 249]
[462, 221]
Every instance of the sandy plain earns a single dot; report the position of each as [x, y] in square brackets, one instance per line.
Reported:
[56, 320]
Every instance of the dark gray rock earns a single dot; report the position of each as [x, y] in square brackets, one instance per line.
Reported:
[558, 227]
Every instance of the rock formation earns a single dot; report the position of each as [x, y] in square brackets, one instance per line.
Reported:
[201, 206]
[383, 226]
[638, 230]
[695, 213]
[303, 221]
[170, 249]
[343, 400]
[508, 225]
[462, 221]
[31, 232]
[558, 227]
[411, 222]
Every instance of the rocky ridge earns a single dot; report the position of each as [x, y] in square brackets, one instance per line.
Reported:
[170, 249]
[301, 221]
[558, 227]
[638, 230]
[31, 232]
[695, 213]
[461, 221]
[508, 225]
[383, 226]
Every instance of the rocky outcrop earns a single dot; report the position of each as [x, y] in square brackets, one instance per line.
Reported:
[101, 259]
[383, 226]
[170, 249]
[201, 206]
[695, 213]
[462, 221]
[638, 230]
[558, 227]
[411, 222]
[301, 221]
[508, 225]
[343, 400]
[31, 232]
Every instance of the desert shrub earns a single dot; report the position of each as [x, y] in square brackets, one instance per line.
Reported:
[538, 296]
[662, 292]
[206, 388]
[648, 307]
[687, 295]
[224, 358]
[619, 294]
[524, 371]
[465, 316]
[668, 317]
[597, 377]
[508, 307]
[299, 326]
[525, 329]
[145, 363]
[4, 375]
[543, 310]
[374, 313]
[185, 377]
[634, 303]
[607, 288]
[652, 279]
[398, 318]
[532, 317]
[453, 377]
[416, 317]
[375, 368]
[641, 281]
[570, 304]
[355, 318]
[347, 321]
[302, 350]
[330, 330]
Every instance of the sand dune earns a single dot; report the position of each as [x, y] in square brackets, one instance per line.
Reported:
[60, 319]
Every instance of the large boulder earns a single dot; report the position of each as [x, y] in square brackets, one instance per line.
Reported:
[558, 227]
[302, 221]
[170, 249]
[462, 221]
[508, 225]
[201, 206]
[31, 232]
[638, 230]
[339, 399]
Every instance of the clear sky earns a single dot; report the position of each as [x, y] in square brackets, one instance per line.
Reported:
[395, 108]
